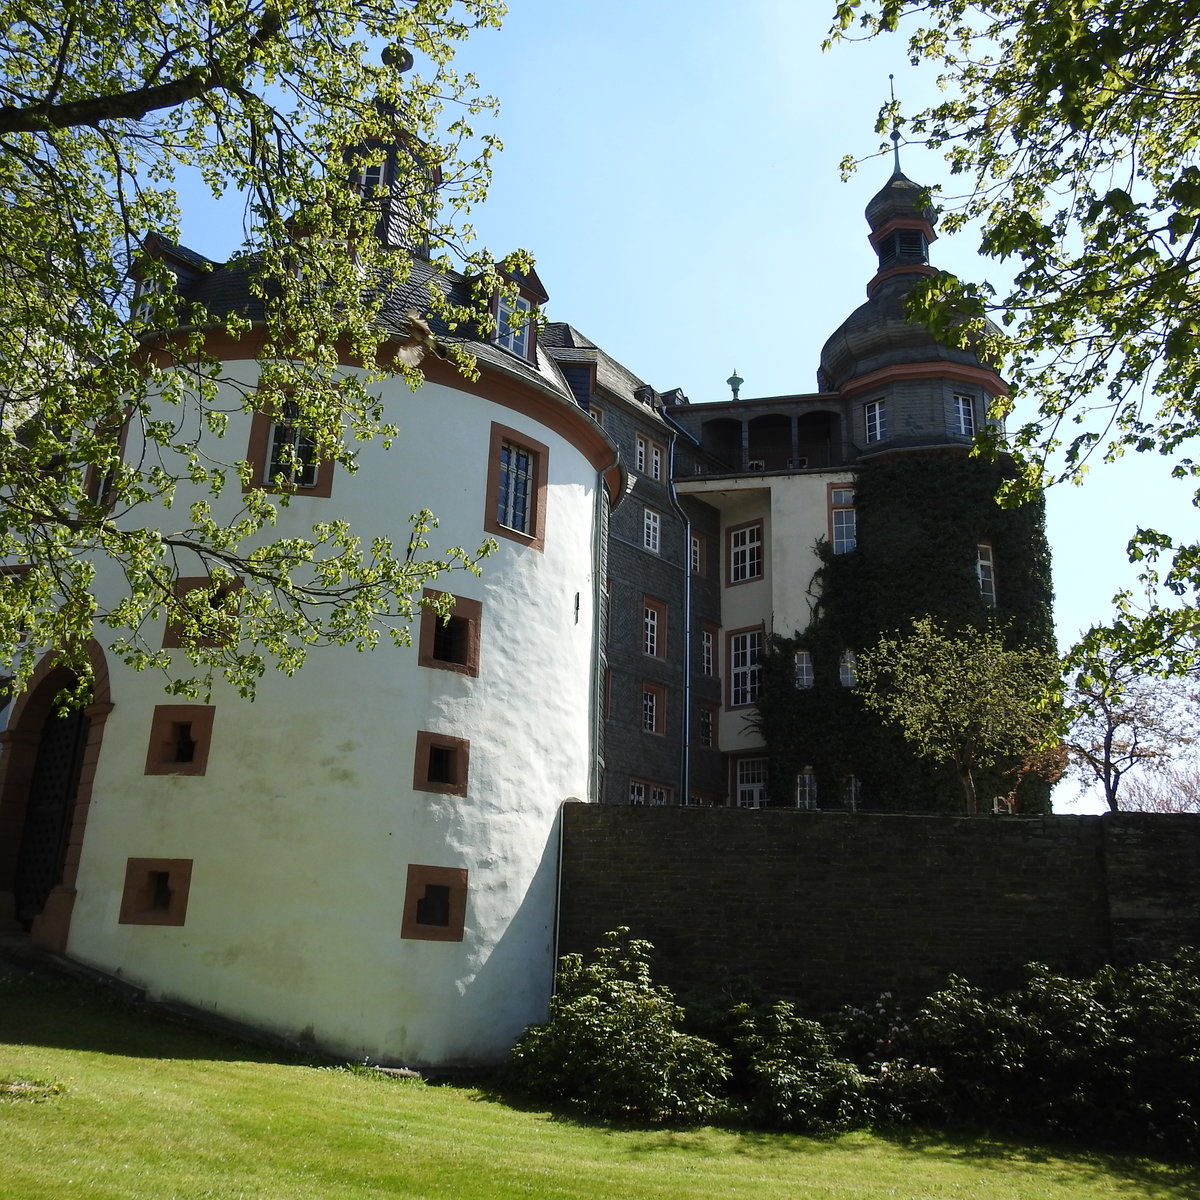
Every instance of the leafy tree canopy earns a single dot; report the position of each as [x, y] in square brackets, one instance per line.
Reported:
[102, 105]
[1076, 127]
[960, 698]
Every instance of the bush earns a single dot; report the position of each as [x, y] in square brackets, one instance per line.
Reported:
[1114, 1059]
[612, 1044]
[796, 1079]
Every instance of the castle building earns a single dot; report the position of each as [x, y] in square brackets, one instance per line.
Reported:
[366, 856]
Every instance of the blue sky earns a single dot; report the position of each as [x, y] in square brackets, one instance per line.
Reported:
[674, 169]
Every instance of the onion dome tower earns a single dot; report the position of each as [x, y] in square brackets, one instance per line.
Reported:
[912, 388]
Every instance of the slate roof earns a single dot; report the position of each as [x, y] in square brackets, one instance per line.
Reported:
[225, 289]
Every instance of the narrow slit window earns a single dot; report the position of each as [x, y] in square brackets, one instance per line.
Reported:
[185, 744]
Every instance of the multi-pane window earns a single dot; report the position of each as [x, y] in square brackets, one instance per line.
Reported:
[651, 529]
[637, 792]
[875, 418]
[745, 671]
[516, 487]
[697, 554]
[654, 708]
[371, 176]
[659, 795]
[650, 710]
[745, 553]
[842, 520]
[293, 460]
[964, 415]
[985, 569]
[656, 462]
[513, 324]
[751, 782]
[707, 651]
[654, 627]
[641, 454]
[706, 726]
[846, 664]
[803, 669]
[806, 790]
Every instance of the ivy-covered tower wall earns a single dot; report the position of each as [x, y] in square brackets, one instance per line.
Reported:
[921, 519]
[929, 539]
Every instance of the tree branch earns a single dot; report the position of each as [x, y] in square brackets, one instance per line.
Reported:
[132, 106]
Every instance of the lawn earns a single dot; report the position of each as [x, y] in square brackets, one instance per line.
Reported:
[100, 1101]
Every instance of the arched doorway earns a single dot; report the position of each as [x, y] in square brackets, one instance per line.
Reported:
[46, 775]
[49, 807]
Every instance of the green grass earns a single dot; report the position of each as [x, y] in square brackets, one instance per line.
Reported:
[99, 1101]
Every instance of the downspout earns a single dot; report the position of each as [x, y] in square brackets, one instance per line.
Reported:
[685, 752]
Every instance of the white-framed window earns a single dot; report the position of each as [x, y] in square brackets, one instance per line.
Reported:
[649, 711]
[641, 455]
[745, 669]
[985, 570]
[514, 334]
[697, 556]
[372, 176]
[746, 553]
[293, 457]
[659, 795]
[803, 669]
[875, 418]
[846, 664]
[516, 487]
[597, 415]
[144, 291]
[806, 790]
[652, 627]
[706, 725]
[964, 414]
[651, 529]
[656, 461]
[707, 652]
[751, 782]
[637, 792]
[851, 792]
[843, 521]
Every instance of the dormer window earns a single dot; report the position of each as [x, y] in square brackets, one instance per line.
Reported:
[372, 176]
[514, 334]
[142, 308]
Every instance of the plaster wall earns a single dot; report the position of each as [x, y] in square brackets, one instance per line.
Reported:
[306, 820]
[799, 519]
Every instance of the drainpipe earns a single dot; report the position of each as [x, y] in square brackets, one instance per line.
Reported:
[685, 754]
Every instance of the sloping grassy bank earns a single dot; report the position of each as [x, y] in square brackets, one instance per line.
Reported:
[101, 1101]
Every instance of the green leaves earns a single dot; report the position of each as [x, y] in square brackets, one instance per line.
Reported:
[1076, 129]
[960, 698]
[106, 418]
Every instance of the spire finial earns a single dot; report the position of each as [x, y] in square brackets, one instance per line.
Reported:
[895, 127]
[735, 382]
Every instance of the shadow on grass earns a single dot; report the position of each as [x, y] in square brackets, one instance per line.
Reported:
[1065, 1163]
[1171, 1179]
[41, 1006]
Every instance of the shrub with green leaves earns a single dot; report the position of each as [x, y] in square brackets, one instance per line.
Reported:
[1114, 1059]
[797, 1080]
[613, 1045]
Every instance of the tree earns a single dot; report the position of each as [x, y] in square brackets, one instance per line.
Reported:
[1173, 789]
[102, 105]
[1074, 127]
[1121, 720]
[960, 698]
